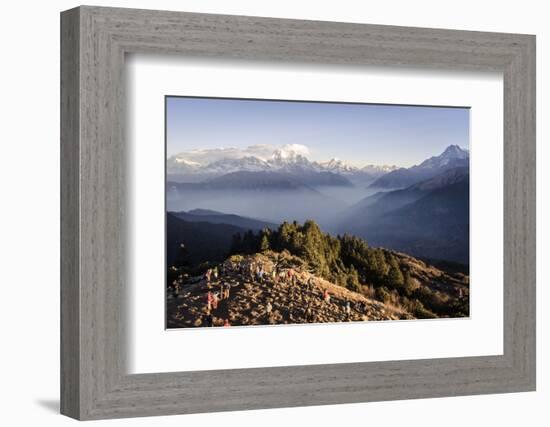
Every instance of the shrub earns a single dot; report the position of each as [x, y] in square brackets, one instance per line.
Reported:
[382, 294]
[422, 312]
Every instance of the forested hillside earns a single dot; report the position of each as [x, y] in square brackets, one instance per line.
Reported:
[350, 262]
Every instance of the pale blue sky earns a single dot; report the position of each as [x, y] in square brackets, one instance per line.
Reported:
[359, 134]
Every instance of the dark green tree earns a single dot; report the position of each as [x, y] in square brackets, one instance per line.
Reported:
[395, 277]
[408, 284]
[353, 280]
[264, 244]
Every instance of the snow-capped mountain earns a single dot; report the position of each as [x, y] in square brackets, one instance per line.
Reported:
[378, 169]
[359, 176]
[289, 158]
[452, 154]
[249, 164]
[338, 166]
[183, 165]
[452, 157]
[284, 160]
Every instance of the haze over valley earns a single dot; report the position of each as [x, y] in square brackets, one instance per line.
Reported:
[422, 210]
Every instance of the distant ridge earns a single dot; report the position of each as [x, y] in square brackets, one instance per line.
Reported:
[208, 241]
[428, 219]
[452, 157]
[214, 217]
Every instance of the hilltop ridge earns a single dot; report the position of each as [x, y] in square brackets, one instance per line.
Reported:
[299, 298]
[242, 299]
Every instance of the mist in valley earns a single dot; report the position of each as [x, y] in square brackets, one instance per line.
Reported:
[325, 205]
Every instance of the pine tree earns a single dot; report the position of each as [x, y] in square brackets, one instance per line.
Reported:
[264, 244]
[408, 283]
[353, 280]
[395, 277]
[381, 265]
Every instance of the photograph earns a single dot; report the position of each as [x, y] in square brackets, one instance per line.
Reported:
[284, 212]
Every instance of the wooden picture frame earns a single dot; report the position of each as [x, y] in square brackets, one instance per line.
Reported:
[94, 41]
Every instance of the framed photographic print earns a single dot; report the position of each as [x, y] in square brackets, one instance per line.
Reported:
[298, 212]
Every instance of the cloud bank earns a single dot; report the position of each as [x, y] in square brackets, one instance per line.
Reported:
[261, 151]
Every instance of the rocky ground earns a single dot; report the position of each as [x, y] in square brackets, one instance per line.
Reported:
[300, 299]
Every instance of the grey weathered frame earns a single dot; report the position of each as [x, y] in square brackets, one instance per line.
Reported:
[94, 41]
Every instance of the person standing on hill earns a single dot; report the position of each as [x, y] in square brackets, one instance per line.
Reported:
[175, 289]
[277, 269]
[348, 310]
[308, 314]
[268, 308]
[326, 296]
[215, 301]
[290, 310]
[209, 299]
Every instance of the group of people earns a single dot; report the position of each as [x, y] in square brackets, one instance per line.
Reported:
[225, 290]
[213, 298]
[257, 272]
[212, 301]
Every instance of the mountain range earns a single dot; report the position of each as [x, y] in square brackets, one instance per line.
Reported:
[422, 210]
[428, 219]
[452, 157]
[291, 163]
[206, 164]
